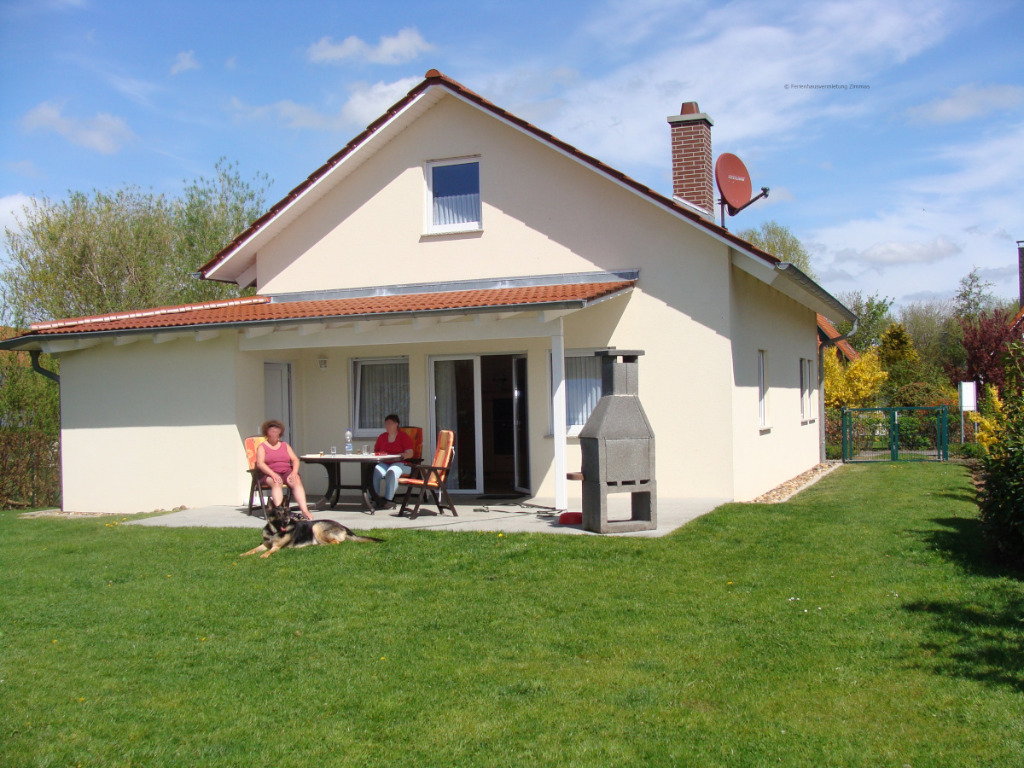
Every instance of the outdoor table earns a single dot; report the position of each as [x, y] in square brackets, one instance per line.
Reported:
[332, 463]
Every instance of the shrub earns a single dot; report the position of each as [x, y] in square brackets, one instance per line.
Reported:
[1002, 501]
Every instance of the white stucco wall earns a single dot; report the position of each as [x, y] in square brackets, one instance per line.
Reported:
[150, 426]
[763, 319]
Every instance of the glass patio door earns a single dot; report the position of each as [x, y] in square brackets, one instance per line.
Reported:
[455, 393]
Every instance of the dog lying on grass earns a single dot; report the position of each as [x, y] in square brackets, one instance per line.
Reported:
[283, 531]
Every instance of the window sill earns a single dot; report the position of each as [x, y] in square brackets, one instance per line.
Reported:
[764, 429]
[467, 230]
[806, 422]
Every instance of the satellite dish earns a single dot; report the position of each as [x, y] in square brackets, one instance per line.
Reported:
[733, 181]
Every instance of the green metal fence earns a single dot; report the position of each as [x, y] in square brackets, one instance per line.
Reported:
[896, 434]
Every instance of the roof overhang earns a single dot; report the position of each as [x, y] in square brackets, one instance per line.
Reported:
[419, 305]
[790, 281]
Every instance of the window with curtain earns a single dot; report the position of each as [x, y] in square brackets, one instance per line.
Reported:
[454, 188]
[582, 389]
[380, 387]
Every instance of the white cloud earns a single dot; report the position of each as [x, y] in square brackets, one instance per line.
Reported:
[26, 168]
[735, 60]
[405, 46]
[11, 209]
[103, 133]
[893, 253]
[185, 61]
[969, 102]
[365, 104]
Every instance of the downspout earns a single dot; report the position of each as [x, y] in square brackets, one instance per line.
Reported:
[34, 354]
[821, 382]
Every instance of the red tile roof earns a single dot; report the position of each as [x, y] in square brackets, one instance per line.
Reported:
[261, 309]
[829, 330]
[434, 78]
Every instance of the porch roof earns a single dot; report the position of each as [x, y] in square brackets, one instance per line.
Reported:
[515, 294]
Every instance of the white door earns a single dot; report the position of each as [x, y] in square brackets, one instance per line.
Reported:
[277, 396]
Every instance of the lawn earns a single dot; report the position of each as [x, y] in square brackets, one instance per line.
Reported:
[856, 625]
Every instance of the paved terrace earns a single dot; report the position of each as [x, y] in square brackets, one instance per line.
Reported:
[521, 515]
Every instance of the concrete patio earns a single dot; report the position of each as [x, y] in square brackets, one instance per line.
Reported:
[521, 515]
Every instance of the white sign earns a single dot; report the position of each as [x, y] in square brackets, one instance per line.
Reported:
[968, 396]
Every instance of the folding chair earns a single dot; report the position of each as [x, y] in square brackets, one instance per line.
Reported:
[416, 435]
[257, 485]
[432, 478]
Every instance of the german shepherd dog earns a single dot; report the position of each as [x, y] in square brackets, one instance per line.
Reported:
[283, 530]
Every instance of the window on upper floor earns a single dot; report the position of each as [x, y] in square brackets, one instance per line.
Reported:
[453, 196]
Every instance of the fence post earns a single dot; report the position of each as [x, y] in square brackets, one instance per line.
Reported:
[845, 422]
[894, 434]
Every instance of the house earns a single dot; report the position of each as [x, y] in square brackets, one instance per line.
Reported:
[460, 266]
[828, 336]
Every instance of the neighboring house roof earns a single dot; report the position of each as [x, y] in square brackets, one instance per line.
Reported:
[828, 331]
[242, 250]
[572, 292]
[1018, 321]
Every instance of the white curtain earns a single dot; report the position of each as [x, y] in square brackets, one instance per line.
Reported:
[383, 388]
[582, 388]
[456, 209]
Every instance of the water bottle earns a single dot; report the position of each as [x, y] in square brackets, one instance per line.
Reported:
[348, 441]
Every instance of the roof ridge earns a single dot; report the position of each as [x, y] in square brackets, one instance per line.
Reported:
[151, 312]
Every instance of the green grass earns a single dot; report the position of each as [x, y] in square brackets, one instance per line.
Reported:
[856, 625]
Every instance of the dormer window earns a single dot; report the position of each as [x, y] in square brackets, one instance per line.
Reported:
[453, 195]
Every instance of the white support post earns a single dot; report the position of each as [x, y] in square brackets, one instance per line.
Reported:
[558, 415]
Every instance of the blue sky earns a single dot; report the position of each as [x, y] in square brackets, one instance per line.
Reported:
[899, 187]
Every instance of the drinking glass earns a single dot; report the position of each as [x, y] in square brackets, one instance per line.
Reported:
[334, 450]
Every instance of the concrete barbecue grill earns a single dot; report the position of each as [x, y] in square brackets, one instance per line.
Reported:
[617, 445]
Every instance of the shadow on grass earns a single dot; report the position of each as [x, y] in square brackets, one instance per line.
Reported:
[980, 638]
[978, 643]
[960, 540]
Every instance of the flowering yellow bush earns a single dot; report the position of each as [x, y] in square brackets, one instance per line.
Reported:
[990, 420]
[855, 385]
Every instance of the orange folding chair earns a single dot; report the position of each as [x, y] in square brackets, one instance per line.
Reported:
[432, 479]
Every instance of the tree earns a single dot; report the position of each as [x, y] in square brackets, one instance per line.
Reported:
[777, 240]
[973, 296]
[901, 362]
[985, 340]
[126, 249]
[873, 318]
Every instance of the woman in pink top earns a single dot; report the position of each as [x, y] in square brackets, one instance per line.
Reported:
[280, 466]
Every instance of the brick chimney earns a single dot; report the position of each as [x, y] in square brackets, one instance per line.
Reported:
[691, 158]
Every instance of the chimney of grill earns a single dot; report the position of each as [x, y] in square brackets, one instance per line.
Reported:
[617, 447]
[691, 159]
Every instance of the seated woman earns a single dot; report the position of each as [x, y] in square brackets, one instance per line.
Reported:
[280, 466]
[395, 442]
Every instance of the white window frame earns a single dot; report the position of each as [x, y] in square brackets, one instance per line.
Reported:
[429, 227]
[807, 388]
[762, 390]
[571, 430]
[370, 430]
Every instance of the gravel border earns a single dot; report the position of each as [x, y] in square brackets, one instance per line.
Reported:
[792, 487]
